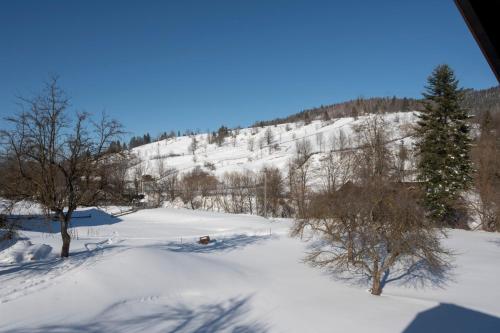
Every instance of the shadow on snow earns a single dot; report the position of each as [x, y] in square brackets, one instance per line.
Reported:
[126, 316]
[408, 272]
[452, 318]
[44, 266]
[419, 274]
[218, 245]
[82, 218]
[495, 241]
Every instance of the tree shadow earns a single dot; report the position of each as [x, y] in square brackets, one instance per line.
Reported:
[452, 318]
[407, 272]
[6, 243]
[495, 241]
[19, 279]
[140, 315]
[43, 266]
[419, 274]
[220, 245]
[82, 218]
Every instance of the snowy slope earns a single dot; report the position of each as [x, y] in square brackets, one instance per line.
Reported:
[144, 272]
[236, 155]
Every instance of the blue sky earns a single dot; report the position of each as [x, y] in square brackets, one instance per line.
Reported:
[162, 65]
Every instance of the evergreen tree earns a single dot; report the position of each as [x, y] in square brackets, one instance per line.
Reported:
[220, 135]
[443, 144]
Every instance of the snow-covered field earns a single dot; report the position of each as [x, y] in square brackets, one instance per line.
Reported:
[144, 272]
[247, 150]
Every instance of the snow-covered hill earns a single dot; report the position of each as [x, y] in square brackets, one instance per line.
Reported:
[248, 149]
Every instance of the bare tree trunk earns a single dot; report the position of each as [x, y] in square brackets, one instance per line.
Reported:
[376, 277]
[376, 285]
[66, 238]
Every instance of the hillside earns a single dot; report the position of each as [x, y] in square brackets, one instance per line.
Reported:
[247, 148]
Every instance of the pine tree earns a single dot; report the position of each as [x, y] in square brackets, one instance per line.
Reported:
[443, 143]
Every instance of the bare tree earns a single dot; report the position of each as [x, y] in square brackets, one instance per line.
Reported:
[234, 137]
[262, 143]
[372, 225]
[401, 160]
[320, 141]
[337, 166]
[114, 178]
[251, 143]
[194, 145]
[270, 191]
[237, 192]
[137, 172]
[486, 156]
[248, 181]
[299, 175]
[374, 159]
[234, 193]
[189, 187]
[197, 185]
[269, 136]
[169, 183]
[58, 158]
